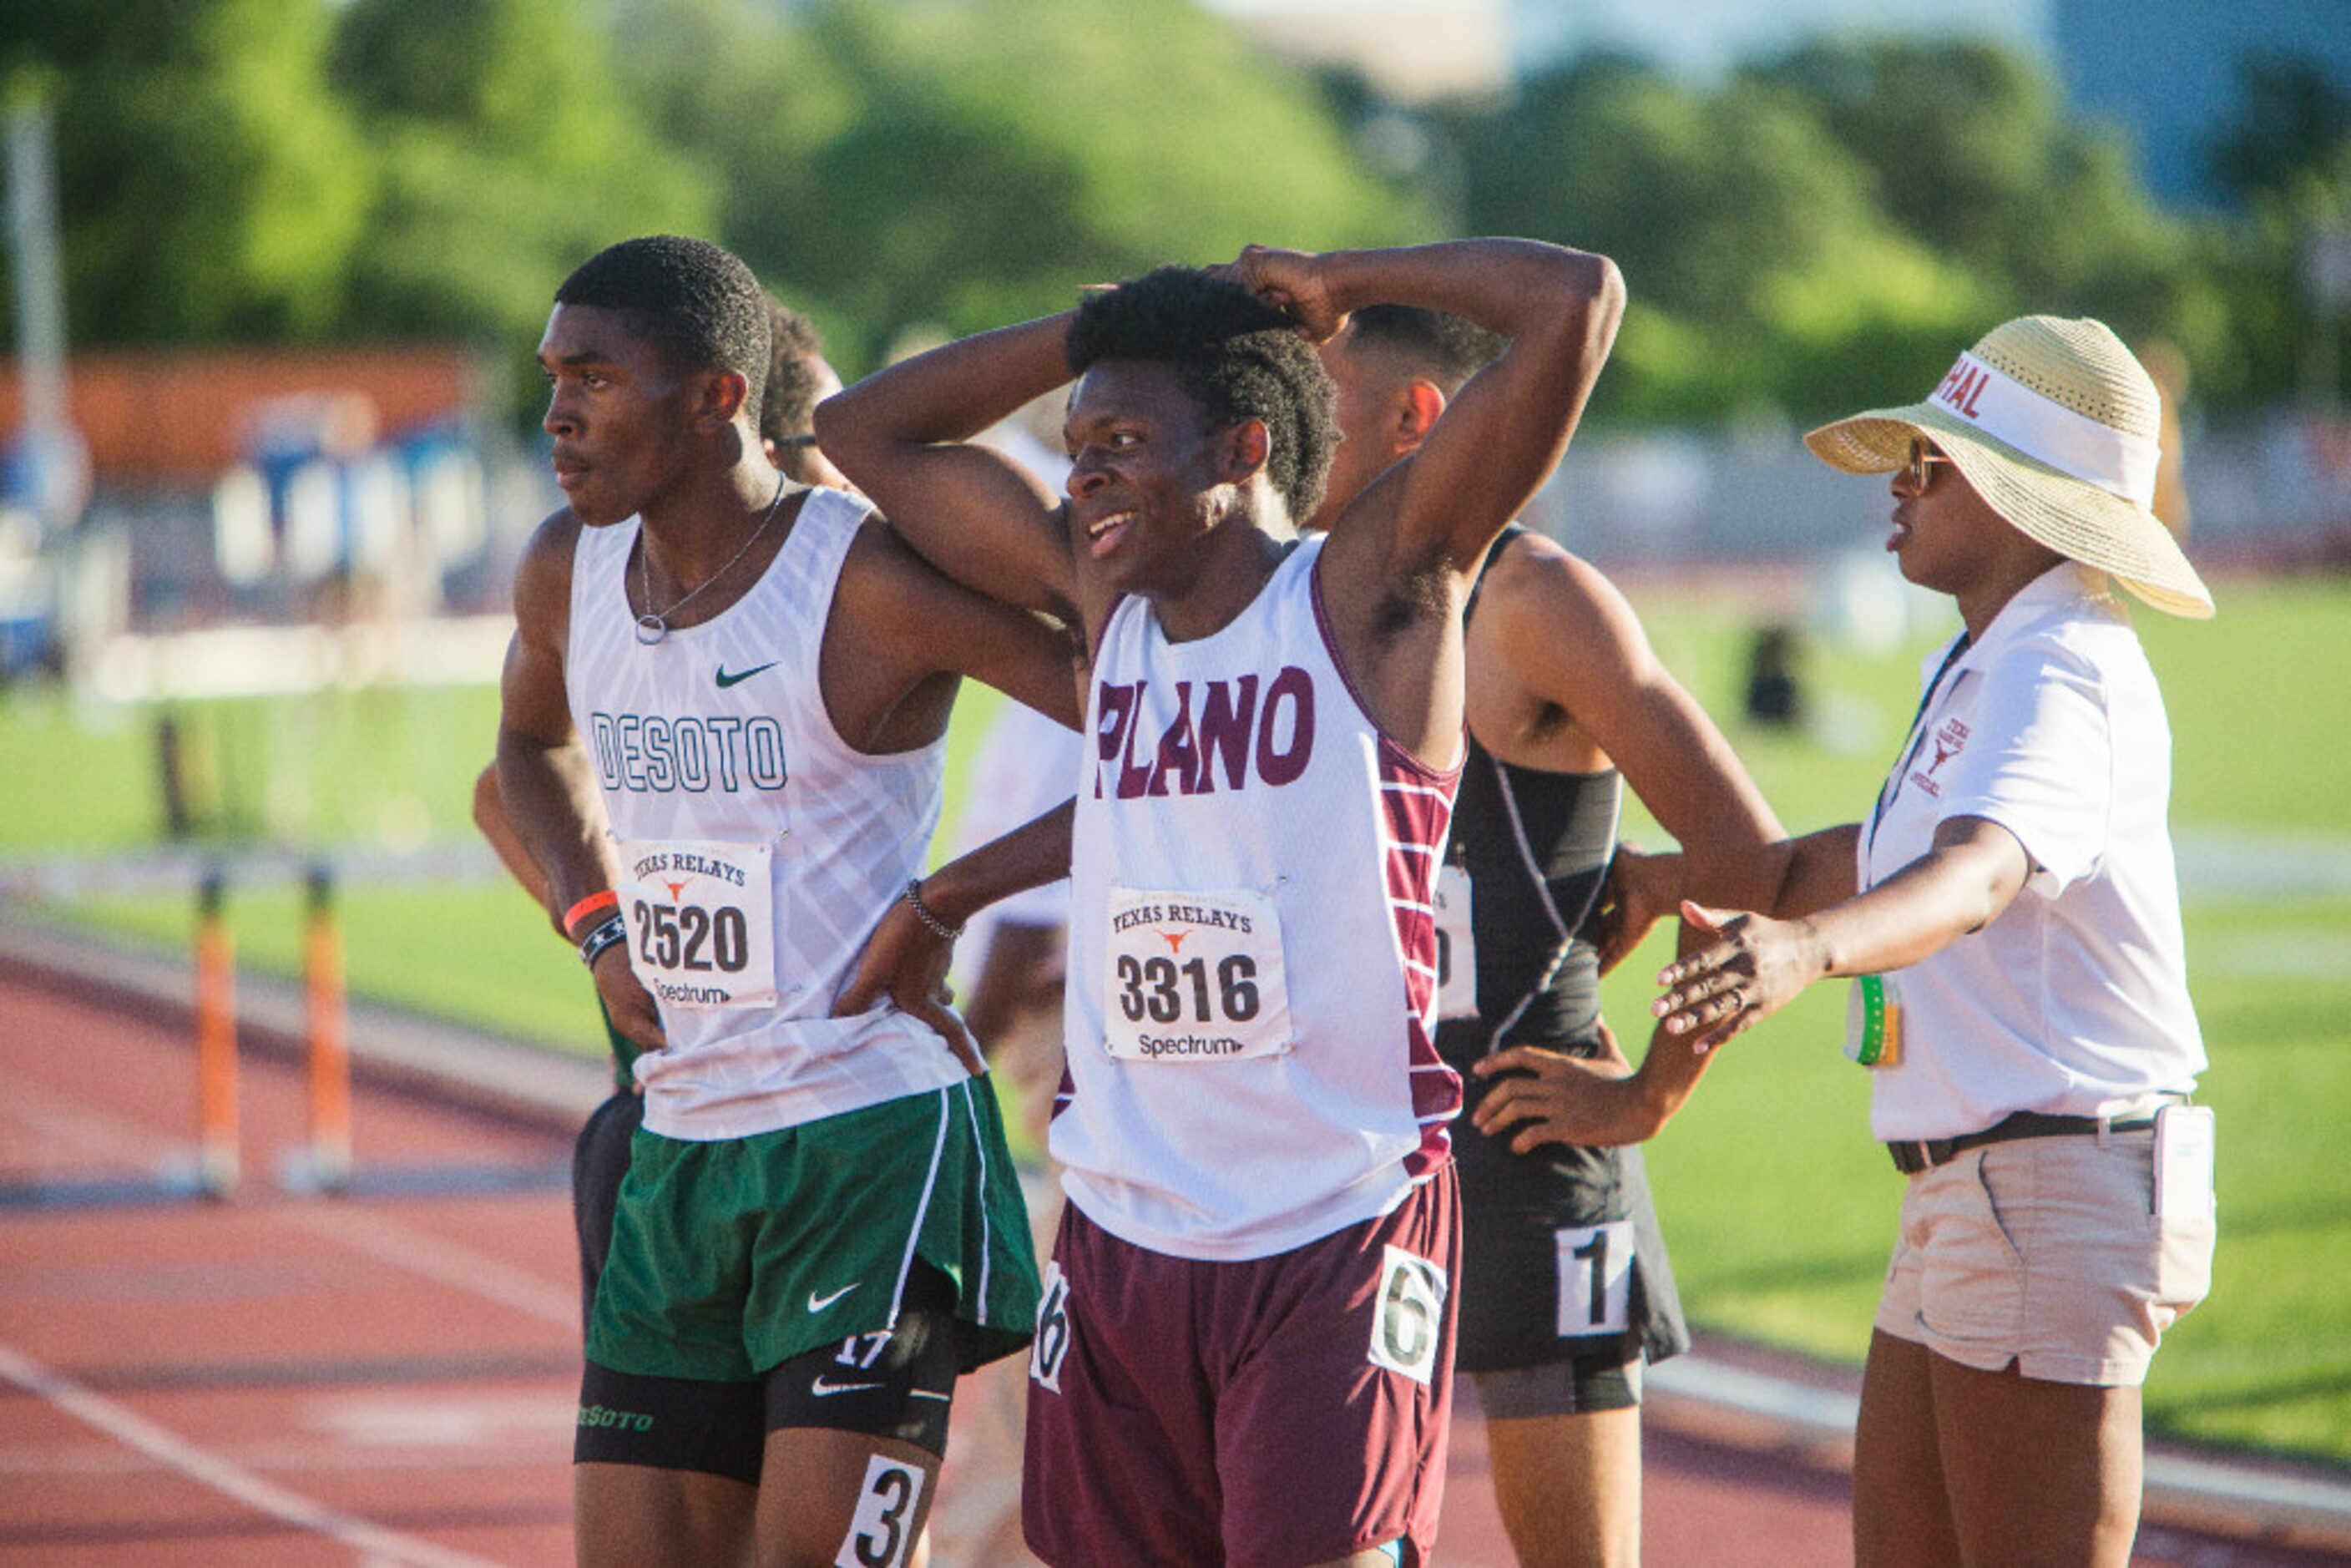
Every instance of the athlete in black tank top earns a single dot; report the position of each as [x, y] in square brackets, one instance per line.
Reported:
[1535, 848]
[1564, 1287]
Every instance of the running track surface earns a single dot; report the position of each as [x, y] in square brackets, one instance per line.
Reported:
[390, 1379]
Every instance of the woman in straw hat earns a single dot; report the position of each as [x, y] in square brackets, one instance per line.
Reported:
[2011, 915]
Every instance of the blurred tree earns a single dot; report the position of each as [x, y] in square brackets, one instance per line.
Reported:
[210, 186]
[510, 151]
[1970, 154]
[2285, 160]
[1006, 150]
[1760, 268]
[2292, 127]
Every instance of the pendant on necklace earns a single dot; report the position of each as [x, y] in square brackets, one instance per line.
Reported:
[651, 629]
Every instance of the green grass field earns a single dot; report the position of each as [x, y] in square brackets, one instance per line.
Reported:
[1779, 1206]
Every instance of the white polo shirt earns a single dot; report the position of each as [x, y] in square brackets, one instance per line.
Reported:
[2074, 1000]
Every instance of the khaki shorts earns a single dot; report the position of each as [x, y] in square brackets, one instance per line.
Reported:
[2047, 1253]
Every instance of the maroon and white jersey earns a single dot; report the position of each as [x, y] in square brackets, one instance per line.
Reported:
[1252, 968]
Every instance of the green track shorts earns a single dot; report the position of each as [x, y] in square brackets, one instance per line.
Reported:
[731, 1256]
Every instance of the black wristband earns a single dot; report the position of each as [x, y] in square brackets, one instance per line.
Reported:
[939, 927]
[609, 932]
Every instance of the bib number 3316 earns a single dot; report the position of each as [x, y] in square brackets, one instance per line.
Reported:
[1194, 977]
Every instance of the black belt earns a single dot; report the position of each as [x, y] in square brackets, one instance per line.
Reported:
[1925, 1154]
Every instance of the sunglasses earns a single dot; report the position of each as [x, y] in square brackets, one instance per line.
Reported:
[1922, 458]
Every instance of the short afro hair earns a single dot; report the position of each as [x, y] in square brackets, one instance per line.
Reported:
[789, 408]
[696, 301]
[1444, 348]
[1236, 358]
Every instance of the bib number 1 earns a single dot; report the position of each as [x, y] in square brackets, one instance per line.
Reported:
[1596, 1279]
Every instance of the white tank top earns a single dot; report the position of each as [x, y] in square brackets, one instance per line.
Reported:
[1252, 945]
[757, 848]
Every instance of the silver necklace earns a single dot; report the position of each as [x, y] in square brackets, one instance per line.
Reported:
[654, 625]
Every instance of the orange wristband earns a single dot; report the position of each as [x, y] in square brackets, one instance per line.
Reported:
[589, 905]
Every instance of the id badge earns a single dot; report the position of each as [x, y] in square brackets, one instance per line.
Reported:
[2183, 1163]
[702, 921]
[1194, 977]
[1872, 1022]
[1457, 946]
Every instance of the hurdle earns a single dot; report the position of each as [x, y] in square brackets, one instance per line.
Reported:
[216, 1094]
[309, 1023]
[326, 1165]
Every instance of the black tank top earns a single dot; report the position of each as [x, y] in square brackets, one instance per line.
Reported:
[1536, 846]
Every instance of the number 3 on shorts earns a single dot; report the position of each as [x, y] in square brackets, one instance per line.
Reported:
[883, 1533]
[1408, 1322]
[1595, 1277]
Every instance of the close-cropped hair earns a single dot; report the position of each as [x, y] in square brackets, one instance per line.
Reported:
[696, 301]
[789, 408]
[1236, 357]
[1437, 345]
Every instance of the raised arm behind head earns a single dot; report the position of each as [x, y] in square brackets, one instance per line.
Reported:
[1505, 428]
[904, 435]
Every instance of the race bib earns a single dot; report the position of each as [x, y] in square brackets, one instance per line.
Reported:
[1409, 1326]
[1194, 977]
[883, 1533]
[1457, 946]
[1595, 1277]
[702, 921]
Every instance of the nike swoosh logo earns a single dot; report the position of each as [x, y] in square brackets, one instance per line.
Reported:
[725, 680]
[820, 1388]
[818, 1303]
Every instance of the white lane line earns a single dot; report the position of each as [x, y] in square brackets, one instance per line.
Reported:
[2310, 1502]
[387, 1240]
[232, 1481]
[73, 1120]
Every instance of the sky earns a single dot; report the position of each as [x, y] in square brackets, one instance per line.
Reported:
[1700, 38]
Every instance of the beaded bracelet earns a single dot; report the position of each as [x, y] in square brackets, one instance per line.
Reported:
[613, 931]
[939, 927]
[589, 905]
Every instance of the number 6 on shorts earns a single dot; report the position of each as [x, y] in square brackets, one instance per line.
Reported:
[1407, 1325]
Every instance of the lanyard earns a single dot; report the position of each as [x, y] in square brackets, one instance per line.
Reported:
[1893, 787]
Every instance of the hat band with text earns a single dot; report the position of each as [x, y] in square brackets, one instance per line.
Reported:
[2000, 406]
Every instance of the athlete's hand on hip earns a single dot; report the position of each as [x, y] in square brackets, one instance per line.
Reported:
[1291, 282]
[1641, 888]
[1756, 966]
[905, 963]
[1551, 1097]
[630, 1006]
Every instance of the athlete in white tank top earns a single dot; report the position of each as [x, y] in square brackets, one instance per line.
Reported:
[757, 848]
[1249, 1044]
[1252, 942]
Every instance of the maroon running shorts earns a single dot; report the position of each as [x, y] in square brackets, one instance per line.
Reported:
[1269, 1413]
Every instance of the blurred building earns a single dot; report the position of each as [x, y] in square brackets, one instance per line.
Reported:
[265, 486]
[1411, 51]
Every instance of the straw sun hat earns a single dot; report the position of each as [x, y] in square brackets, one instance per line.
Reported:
[2054, 425]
